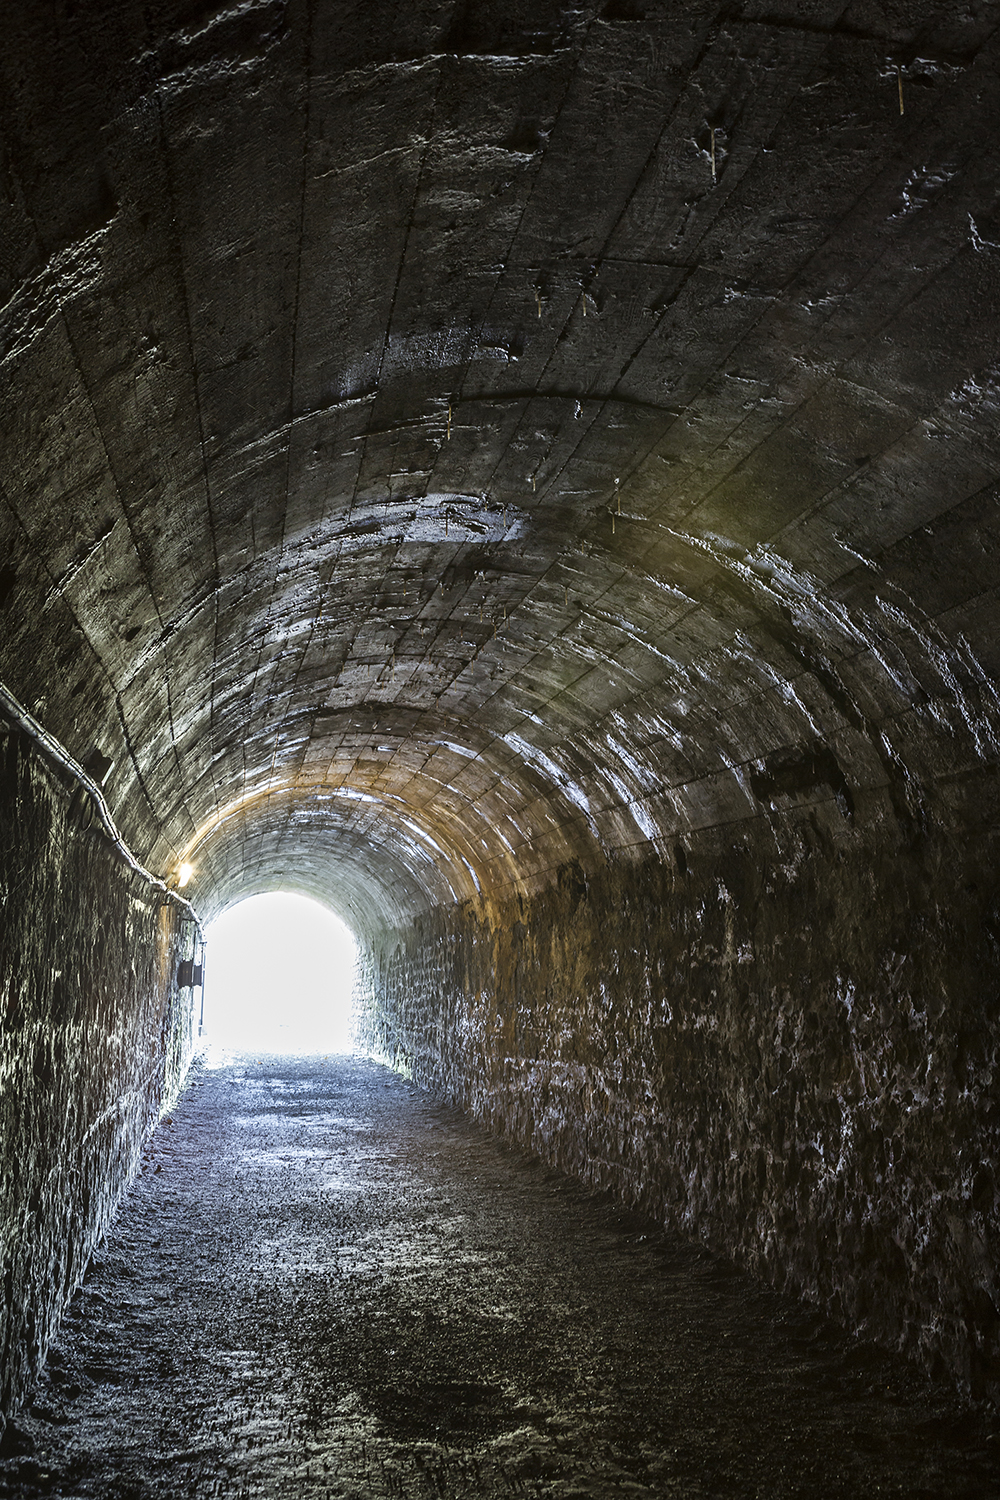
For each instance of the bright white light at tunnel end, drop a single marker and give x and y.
(279, 980)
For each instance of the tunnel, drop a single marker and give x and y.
(525, 476)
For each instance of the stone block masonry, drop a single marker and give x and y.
(95, 1038)
(784, 1044)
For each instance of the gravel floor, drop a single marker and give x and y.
(326, 1283)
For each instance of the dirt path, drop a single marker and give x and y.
(325, 1283)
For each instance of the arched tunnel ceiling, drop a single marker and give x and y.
(443, 440)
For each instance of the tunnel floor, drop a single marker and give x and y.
(327, 1283)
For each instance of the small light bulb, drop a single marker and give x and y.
(184, 873)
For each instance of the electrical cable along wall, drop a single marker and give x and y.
(525, 474)
(97, 1036)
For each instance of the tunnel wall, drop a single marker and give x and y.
(96, 1036)
(784, 1043)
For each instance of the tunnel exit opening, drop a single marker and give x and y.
(279, 978)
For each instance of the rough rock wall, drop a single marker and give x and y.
(786, 1045)
(95, 1039)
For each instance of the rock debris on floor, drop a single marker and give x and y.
(326, 1283)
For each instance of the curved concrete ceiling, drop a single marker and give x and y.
(442, 441)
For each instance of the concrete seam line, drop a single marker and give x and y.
(55, 751)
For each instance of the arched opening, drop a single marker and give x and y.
(527, 477)
(279, 978)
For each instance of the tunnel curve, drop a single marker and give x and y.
(526, 475)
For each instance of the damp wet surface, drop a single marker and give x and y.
(327, 1283)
